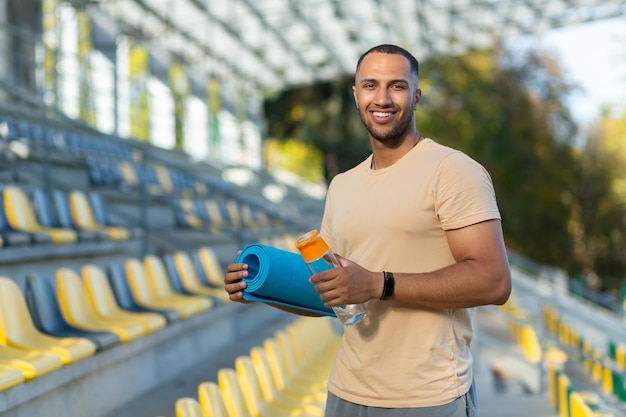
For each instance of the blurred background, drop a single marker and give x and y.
(207, 123)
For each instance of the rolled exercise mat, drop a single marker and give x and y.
(276, 276)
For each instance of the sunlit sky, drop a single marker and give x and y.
(593, 55)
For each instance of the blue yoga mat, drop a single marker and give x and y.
(276, 276)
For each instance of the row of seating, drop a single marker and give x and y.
(110, 160)
(38, 216)
(220, 214)
(604, 369)
(286, 376)
(59, 320)
(70, 141)
(155, 178)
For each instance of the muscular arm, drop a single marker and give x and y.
(480, 275)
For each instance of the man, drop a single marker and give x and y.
(418, 231)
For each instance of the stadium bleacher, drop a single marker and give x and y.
(112, 256)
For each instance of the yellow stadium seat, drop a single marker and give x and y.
(11, 376)
(84, 218)
(103, 300)
(78, 311)
(21, 217)
(295, 370)
(212, 207)
(232, 208)
(286, 396)
(161, 285)
(257, 404)
(211, 400)
(190, 280)
(312, 367)
(290, 381)
(188, 407)
(164, 178)
(146, 296)
(18, 330)
(232, 394)
(211, 266)
(32, 363)
(129, 175)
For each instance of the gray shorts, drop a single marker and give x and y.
(464, 406)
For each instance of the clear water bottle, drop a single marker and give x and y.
(319, 257)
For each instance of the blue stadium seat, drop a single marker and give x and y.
(11, 131)
(124, 296)
(99, 210)
(46, 314)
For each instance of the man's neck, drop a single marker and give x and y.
(385, 156)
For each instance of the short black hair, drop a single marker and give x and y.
(393, 50)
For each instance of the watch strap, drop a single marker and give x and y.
(388, 285)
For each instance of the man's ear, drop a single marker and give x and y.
(356, 101)
(418, 97)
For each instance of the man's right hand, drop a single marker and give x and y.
(235, 273)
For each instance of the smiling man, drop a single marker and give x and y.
(417, 229)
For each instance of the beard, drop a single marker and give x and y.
(388, 134)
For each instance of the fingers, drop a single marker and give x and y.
(234, 286)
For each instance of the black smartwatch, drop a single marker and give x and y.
(388, 286)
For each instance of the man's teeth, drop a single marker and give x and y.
(381, 114)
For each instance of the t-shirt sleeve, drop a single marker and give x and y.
(463, 193)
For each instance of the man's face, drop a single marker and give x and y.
(386, 94)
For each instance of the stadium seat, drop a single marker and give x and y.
(232, 394)
(187, 215)
(188, 407)
(271, 391)
(21, 217)
(47, 317)
(146, 295)
(84, 219)
(253, 395)
(102, 299)
(78, 311)
(164, 178)
(211, 401)
(17, 328)
(11, 237)
(208, 266)
(32, 363)
(124, 296)
(160, 283)
(216, 212)
(100, 213)
(291, 378)
(61, 202)
(11, 376)
(310, 369)
(181, 269)
(232, 210)
(53, 212)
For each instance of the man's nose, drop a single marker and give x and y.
(382, 97)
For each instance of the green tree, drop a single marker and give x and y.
(325, 116)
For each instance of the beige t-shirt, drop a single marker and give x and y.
(394, 219)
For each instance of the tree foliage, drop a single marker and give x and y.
(325, 116)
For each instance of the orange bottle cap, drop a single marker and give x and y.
(311, 246)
